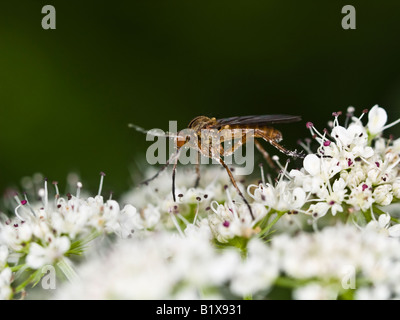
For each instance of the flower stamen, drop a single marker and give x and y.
(78, 189)
(102, 175)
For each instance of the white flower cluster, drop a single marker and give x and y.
(329, 264)
(214, 197)
(353, 168)
(5, 274)
(167, 266)
(207, 245)
(323, 265)
(48, 232)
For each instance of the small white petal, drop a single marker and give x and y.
(320, 209)
(62, 244)
(299, 197)
(377, 118)
(339, 185)
(311, 164)
(367, 152)
(384, 220)
(342, 135)
(394, 231)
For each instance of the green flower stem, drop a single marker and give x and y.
(272, 223)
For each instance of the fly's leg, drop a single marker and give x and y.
(266, 155)
(173, 178)
(236, 186)
(196, 184)
(209, 153)
(146, 182)
(260, 134)
(289, 153)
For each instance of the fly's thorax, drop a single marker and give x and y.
(208, 138)
(201, 122)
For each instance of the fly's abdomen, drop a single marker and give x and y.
(270, 133)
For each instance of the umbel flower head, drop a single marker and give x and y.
(353, 168)
(329, 264)
(325, 230)
(51, 231)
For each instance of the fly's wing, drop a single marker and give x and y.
(255, 121)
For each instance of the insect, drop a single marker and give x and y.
(248, 127)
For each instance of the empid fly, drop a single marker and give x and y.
(207, 136)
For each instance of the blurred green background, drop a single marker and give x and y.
(67, 95)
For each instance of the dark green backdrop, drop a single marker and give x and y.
(67, 95)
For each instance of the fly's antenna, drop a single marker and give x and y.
(154, 132)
